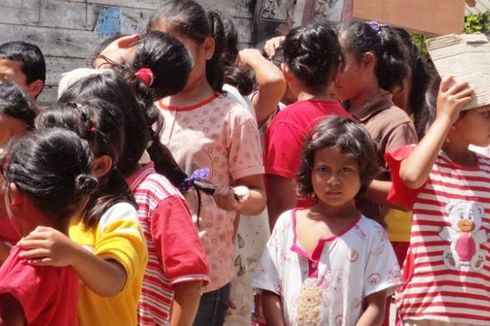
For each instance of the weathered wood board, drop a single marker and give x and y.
(65, 29)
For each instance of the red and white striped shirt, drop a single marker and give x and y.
(175, 252)
(447, 269)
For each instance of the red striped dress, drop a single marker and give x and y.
(175, 253)
(447, 270)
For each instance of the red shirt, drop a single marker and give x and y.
(7, 231)
(48, 295)
(175, 252)
(285, 136)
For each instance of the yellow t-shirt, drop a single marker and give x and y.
(398, 224)
(118, 237)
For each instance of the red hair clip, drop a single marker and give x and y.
(146, 76)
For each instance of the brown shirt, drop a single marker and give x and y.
(390, 127)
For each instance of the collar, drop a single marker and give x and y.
(371, 108)
(139, 175)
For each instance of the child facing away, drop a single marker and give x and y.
(17, 114)
(47, 180)
(206, 129)
(328, 264)
(446, 185)
(106, 246)
(312, 60)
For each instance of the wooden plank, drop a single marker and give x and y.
(53, 41)
(48, 96)
(20, 12)
(64, 14)
(56, 66)
(140, 4)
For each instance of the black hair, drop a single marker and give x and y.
(110, 86)
(53, 167)
(351, 138)
(102, 45)
(189, 18)
(313, 54)
(421, 76)
(169, 61)
(99, 122)
(15, 104)
(390, 52)
(29, 55)
(234, 75)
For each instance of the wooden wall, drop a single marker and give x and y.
(65, 29)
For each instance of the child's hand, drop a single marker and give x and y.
(452, 98)
(272, 44)
(225, 198)
(46, 246)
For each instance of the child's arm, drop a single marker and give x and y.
(11, 312)
(377, 192)
(272, 309)
(375, 309)
(453, 96)
(270, 80)
(186, 302)
(49, 247)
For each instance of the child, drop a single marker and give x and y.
(178, 267)
(205, 129)
(17, 114)
(47, 179)
(23, 63)
(312, 58)
(446, 185)
(328, 264)
(107, 238)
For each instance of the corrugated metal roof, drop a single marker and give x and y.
(480, 7)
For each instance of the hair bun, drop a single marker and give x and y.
(85, 184)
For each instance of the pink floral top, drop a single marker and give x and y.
(221, 135)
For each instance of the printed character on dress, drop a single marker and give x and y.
(465, 234)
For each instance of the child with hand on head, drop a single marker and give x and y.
(106, 246)
(312, 60)
(47, 181)
(17, 114)
(446, 186)
(328, 264)
(203, 128)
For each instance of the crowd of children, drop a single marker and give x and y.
(180, 181)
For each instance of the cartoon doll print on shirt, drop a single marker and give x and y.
(465, 235)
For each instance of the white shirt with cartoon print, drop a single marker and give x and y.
(327, 289)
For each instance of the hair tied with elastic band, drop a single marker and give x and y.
(198, 175)
(145, 75)
(376, 26)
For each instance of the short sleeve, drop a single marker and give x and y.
(267, 274)
(120, 238)
(402, 135)
(399, 193)
(245, 149)
(177, 243)
(33, 287)
(283, 144)
(382, 269)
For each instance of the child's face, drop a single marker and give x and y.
(350, 80)
(9, 128)
(200, 52)
(12, 71)
(473, 127)
(335, 177)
